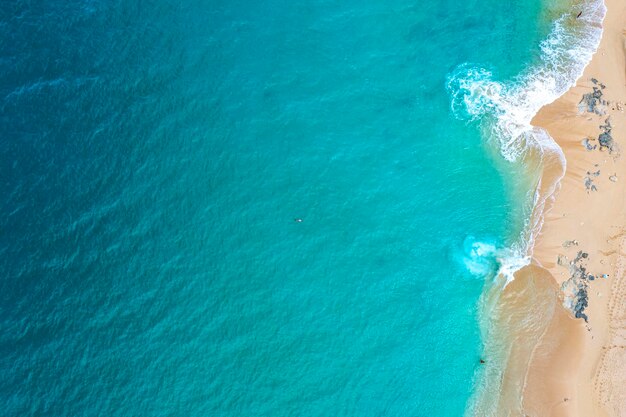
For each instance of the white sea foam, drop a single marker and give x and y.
(505, 108)
(564, 55)
(479, 257)
(484, 258)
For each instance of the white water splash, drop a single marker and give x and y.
(485, 258)
(505, 111)
(512, 105)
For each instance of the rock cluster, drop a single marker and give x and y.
(582, 301)
(591, 101)
(587, 144)
(589, 185)
(594, 103)
(576, 288)
(570, 243)
(605, 139)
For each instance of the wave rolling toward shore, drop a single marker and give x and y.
(527, 320)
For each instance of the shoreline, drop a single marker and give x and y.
(578, 365)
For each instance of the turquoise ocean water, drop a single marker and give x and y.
(154, 157)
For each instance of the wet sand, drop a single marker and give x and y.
(578, 367)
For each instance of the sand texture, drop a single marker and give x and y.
(578, 367)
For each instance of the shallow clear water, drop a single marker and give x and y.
(154, 157)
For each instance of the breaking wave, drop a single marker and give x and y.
(483, 258)
(512, 105)
(505, 109)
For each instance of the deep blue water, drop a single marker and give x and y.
(153, 158)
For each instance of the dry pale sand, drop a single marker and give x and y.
(578, 368)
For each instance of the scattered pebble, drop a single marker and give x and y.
(586, 143)
(589, 185)
(570, 243)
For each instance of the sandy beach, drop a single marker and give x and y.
(578, 368)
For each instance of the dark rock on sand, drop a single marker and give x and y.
(577, 285)
(589, 185)
(582, 302)
(580, 255)
(606, 139)
(591, 101)
(588, 145)
(570, 243)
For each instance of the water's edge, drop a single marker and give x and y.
(505, 112)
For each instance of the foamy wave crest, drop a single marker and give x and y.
(485, 259)
(512, 105)
(505, 109)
